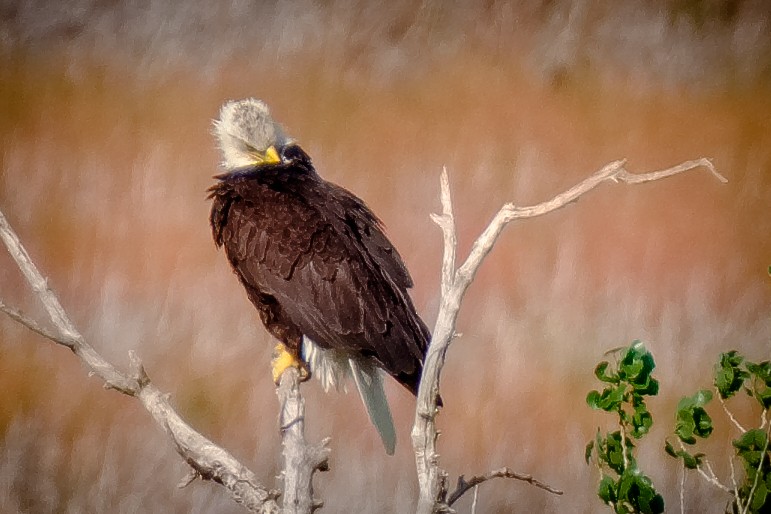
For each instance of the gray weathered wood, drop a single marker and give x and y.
(432, 479)
(301, 460)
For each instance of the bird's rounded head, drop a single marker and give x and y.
(247, 134)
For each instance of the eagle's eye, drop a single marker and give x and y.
(291, 153)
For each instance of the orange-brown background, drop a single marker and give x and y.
(105, 154)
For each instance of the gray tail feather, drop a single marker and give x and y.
(370, 384)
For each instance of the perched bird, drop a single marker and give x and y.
(326, 281)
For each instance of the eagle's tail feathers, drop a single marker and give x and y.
(370, 384)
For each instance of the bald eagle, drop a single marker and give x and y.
(315, 262)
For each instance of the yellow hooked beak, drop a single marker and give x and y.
(255, 156)
(271, 156)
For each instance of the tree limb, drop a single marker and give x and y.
(301, 460)
(432, 480)
(464, 485)
(208, 460)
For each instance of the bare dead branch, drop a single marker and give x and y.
(301, 460)
(447, 223)
(31, 324)
(36, 281)
(464, 485)
(208, 460)
(455, 282)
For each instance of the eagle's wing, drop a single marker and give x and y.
(323, 256)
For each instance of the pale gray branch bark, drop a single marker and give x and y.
(432, 479)
(208, 460)
(301, 460)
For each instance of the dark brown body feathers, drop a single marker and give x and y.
(314, 261)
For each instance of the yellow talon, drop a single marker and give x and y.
(283, 359)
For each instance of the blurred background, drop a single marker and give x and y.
(106, 153)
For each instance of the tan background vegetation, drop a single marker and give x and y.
(106, 152)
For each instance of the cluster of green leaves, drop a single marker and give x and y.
(628, 381)
(732, 374)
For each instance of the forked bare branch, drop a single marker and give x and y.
(455, 281)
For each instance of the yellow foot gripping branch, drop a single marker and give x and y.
(283, 359)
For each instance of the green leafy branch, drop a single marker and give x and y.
(732, 374)
(623, 486)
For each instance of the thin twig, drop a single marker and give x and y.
(709, 475)
(623, 444)
(733, 482)
(464, 485)
(682, 490)
(729, 413)
(33, 325)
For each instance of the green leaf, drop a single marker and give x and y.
(669, 448)
(636, 367)
(692, 461)
(588, 451)
(691, 418)
(611, 398)
(593, 399)
(761, 371)
(689, 461)
(637, 490)
(613, 455)
(641, 421)
(703, 422)
(607, 490)
(761, 386)
(600, 373)
(764, 397)
(759, 497)
(650, 388)
(729, 376)
(749, 447)
(751, 440)
(702, 397)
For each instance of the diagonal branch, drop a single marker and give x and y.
(464, 485)
(208, 460)
(455, 282)
(612, 172)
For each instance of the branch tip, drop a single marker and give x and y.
(188, 479)
(138, 372)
